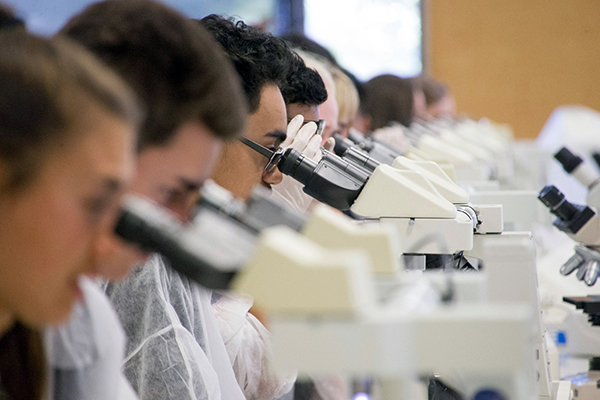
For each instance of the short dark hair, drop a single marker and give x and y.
(303, 85)
(173, 64)
(259, 58)
(388, 99)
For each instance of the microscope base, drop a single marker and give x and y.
(432, 236)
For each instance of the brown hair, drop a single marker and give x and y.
(434, 91)
(22, 364)
(388, 99)
(171, 62)
(44, 86)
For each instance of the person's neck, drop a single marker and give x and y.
(6, 321)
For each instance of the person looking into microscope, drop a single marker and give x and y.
(388, 99)
(194, 103)
(67, 146)
(303, 92)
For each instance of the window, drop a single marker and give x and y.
(368, 37)
(47, 17)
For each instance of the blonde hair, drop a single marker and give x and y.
(345, 94)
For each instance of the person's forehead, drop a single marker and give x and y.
(184, 158)
(270, 115)
(310, 113)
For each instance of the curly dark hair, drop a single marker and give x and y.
(259, 58)
(172, 63)
(303, 85)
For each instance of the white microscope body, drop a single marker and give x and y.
(324, 318)
(508, 258)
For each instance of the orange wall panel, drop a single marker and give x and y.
(514, 61)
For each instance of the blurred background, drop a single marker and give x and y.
(509, 60)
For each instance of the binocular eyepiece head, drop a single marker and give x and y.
(570, 217)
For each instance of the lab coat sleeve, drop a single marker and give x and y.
(249, 348)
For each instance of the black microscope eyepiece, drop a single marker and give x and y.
(570, 217)
(297, 165)
(333, 180)
(568, 160)
(555, 200)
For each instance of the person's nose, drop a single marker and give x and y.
(273, 177)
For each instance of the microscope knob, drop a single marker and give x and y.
(591, 274)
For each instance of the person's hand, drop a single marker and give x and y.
(303, 139)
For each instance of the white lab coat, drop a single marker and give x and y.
(85, 354)
(174, 347)
(249, 347)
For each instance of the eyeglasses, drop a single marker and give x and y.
(320, 125)
(273, 156)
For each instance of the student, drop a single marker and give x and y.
(329, 109)
(439, 99)
(303, 92)
(388, 99)
(347, 98)
(194, 103)
(67, 143)
(175, 349)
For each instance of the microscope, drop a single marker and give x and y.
(224, 231)
(431, 224)
(582, 224)
(585, 386)
(409, 334)
(587, 175)
(364, 151)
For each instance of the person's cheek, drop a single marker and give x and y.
(113, 258)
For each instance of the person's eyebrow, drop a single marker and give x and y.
(280, 136)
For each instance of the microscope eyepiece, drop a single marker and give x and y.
(570, 217)
(555, 200)
(209, 251)
(342, 144)
(333, 180)
(296, 165)
(568, 160)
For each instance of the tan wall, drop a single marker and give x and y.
(515, 60)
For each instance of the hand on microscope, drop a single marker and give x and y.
(300, 137)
